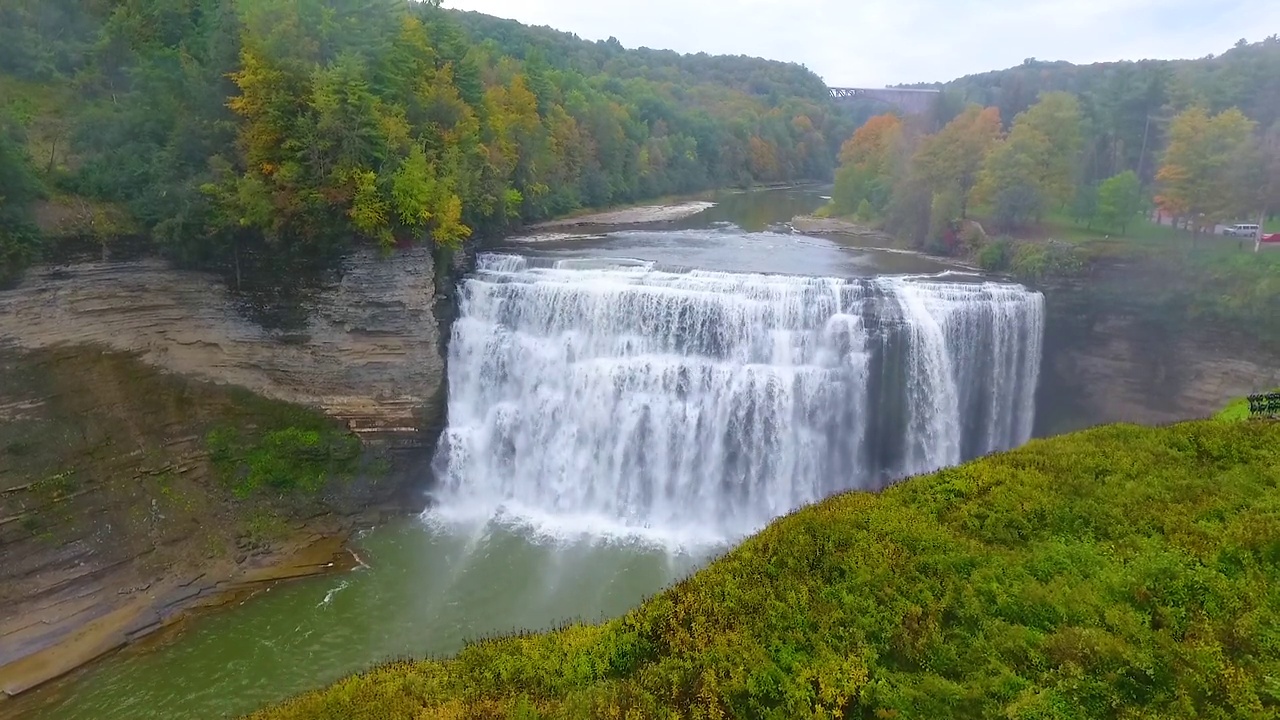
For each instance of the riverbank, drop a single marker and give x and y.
(632, 215)
(1040, 578)
(131, 496)
(162, 448)
(850, 233)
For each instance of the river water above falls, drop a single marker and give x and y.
(623, 405)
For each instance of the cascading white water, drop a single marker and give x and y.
(610, 397)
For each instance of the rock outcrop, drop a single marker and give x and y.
(1109, 360)
(369, 352)
(114, 520)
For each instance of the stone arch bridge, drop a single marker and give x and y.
(910, 101)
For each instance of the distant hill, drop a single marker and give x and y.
(1247, 76)
(1128, 104)
(563, 50)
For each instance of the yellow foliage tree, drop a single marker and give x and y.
(952, 160)
(1196, 176)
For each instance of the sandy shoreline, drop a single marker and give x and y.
(811, 224)
(867, 238)
(630, 216)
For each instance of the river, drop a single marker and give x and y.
(625, 404)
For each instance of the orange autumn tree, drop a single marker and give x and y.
(951, 161)
(867, 165)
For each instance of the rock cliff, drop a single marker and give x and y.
(114, 519)
(1108, 359)
(369, 350)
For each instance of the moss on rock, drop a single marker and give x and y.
(281, 447)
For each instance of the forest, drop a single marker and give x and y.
(1128, 105)
(1197, 140)
(295, 128)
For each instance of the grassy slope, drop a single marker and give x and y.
(1237, 409)
(1121, 572)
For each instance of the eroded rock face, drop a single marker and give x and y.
(113, 520)
(1109, 361)
(370, 351)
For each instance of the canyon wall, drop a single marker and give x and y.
(367, 350)
(114, 517)
(1112, 359)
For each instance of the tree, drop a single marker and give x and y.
(19, 188)
(867, 165)
(1119, 200)
(1057, 118)
(296, 127)
(1199, 178)
(951, 160)
(1085, 207)
(1012, 180)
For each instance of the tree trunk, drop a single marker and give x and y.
(53, 153)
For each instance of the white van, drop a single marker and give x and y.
(1241, 231)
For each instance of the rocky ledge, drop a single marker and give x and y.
(369, 350)
(119, 512)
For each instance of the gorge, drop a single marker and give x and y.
(623, 404)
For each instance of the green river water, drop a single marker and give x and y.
(425, 591)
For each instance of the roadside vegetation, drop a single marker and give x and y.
(1119, 572)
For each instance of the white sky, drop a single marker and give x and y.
(871, 43)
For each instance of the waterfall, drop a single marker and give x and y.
(613, 397)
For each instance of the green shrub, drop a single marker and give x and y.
(1122, 572)
(865, 211)
(996, 255)
(285, 459)
(1035, 261)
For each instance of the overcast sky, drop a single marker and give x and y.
(872, 43)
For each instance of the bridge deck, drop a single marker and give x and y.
(913, 101)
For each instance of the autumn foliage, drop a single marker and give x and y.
(1202, 162)
(295, 128)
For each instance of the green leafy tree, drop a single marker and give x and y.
(1056, 118)
(1084, 209)
(1013, 183)
(1119, 200)
(19, 188)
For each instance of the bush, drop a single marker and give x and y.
(20, 246)
(1122, 572)
(285, 459)
(865, 213)
(996, 255)
(1036, 261)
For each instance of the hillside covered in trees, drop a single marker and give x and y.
(1053, 170)
(296, 127)
(1198, 140)
(1127, 106)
